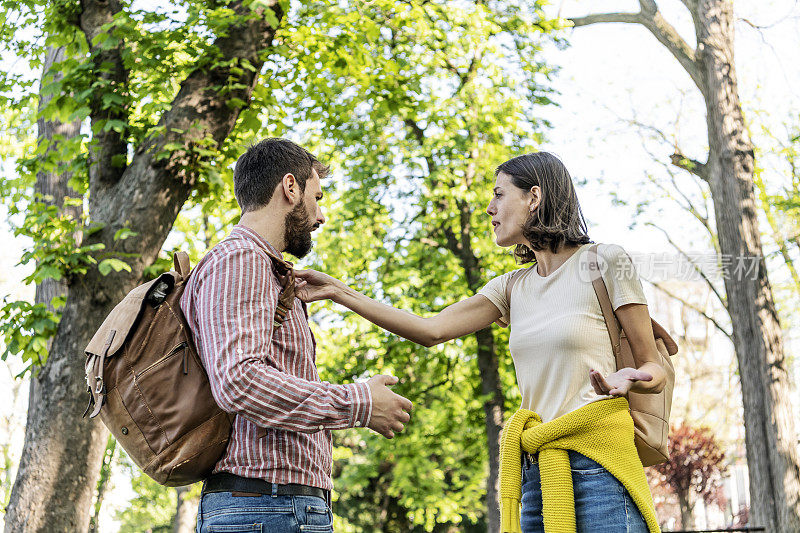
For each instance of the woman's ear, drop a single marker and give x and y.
(536, 197)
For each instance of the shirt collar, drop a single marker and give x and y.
(249, 233)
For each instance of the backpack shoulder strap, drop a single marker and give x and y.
(600, 289)
(284, 270)
(182, 264)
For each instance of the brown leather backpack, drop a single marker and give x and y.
(148, 384)
(650, 412)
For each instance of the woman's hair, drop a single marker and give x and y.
(558, 219)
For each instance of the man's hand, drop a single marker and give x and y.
(389, 410)
(619, 383)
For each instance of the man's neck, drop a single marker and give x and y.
(269, 226)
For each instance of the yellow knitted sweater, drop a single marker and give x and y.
(602, 431)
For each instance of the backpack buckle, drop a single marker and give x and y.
(91, 402)
(100, 386)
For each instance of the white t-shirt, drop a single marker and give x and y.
(557, 329)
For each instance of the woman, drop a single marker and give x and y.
(562, 355)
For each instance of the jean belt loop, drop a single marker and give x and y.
(274, 490)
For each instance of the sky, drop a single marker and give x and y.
(610, 75)
(615, 73)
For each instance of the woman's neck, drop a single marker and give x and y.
(547, 262)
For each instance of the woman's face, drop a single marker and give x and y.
(509, 209)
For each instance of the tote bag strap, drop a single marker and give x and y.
(612, 324)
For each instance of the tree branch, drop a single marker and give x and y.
(696, 268)
(699, 167)
(650, 17)
(416, 130)
(692, 307)
(597, 18)
(201, 115)
(678, 159)
(419, 136)
(690, 165)
(687, 206)
(702, 217)
(109, 148)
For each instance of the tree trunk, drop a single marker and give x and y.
(488, 364)
(770, 436)
(61, 457)
(687, 520)
(459, 244)
(185, 519)
(493, 417)
(102, 483)
(60, 460)
(54, 186)
(47, 470)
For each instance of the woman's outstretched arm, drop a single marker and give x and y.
(456, 320)
(649, 376)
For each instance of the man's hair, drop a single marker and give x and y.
(262, 167)
(558, 220)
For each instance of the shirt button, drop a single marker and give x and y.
(358, 423)
(240, 351)
(321, 427)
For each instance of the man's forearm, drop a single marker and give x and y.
(273, 399)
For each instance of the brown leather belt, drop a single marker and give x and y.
(227, 482)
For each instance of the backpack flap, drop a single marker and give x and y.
(111, 335)
(660, 333)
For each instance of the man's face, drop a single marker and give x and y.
(305, 217)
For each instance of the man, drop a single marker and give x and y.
(276, 471)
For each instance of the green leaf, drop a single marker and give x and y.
(235, 103)
(124, 233)
(79, 114)
(107, 265)
(119, 160)
(115, 124)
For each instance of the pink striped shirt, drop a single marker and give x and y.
(266, 376)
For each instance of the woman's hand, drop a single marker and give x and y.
(619, 383)
(312, 286)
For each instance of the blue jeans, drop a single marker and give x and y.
(602, 505)
(223, 512)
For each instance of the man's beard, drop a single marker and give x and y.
(297, 231)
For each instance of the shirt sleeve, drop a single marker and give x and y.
(620, 276)
(235, 300)
(495, 291)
